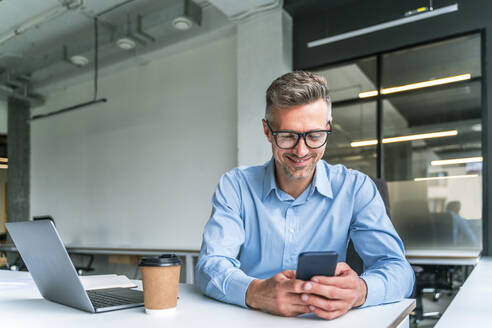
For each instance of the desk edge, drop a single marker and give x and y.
(404, 314)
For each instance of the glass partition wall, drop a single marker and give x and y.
(354, 119)
(428, 99)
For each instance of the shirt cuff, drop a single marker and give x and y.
(375, 290)
(237, 286)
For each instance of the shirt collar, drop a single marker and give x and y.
(320, 180)
(269, 179)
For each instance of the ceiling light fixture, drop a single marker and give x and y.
(126, 43)
(368, 94)
(417, 85)
(4, 166)
(446, 178)
(382, 26)
(477, 127)
(182, 23)
(79, 60)
(421, 136)
(412, 137)
(426, 84)
(4, 160)
(364, 143)
(453, 161)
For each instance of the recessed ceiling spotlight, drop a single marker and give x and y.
(126, 43)
(182, 23)
(477, 127)
(79, 60)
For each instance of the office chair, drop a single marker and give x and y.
(355, 262)
(413, 221)
(442, 224)
(353, 259)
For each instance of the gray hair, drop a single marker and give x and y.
(294, 89)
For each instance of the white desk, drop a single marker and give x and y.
(443, 256)
(472, 306)
(23, 306)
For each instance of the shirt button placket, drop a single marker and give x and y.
(289, 261)
(286, 238)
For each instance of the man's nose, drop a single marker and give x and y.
(301, 149)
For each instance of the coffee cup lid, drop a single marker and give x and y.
(160, 261)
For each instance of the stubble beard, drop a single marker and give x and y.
(310, 169)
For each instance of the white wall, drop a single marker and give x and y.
(264, 50)
(139, 170)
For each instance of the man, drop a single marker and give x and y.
(264, 216)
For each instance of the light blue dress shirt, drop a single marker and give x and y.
(256, 231)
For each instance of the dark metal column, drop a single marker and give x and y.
(19, 154)
(486, 144)
(380, 120)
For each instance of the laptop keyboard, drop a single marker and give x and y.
(103, 298)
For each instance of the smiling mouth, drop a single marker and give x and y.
(299, 161)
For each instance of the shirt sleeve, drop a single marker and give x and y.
(460, 225)
(388, 275)
(217, 273)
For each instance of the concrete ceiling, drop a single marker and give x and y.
(299, 8)
(37, 59)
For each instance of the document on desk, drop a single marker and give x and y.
(106, 281)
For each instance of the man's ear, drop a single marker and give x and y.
(266, 130)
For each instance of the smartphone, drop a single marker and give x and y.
(312, 264)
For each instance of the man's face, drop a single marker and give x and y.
(299, 162)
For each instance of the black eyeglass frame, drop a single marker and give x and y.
(299, 135)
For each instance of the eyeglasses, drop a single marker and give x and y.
(289, 139)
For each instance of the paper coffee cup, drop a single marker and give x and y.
(160, 276)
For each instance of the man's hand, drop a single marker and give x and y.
(280, 295)
(331, 297)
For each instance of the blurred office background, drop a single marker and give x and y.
(176, 99)
(431, 155)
